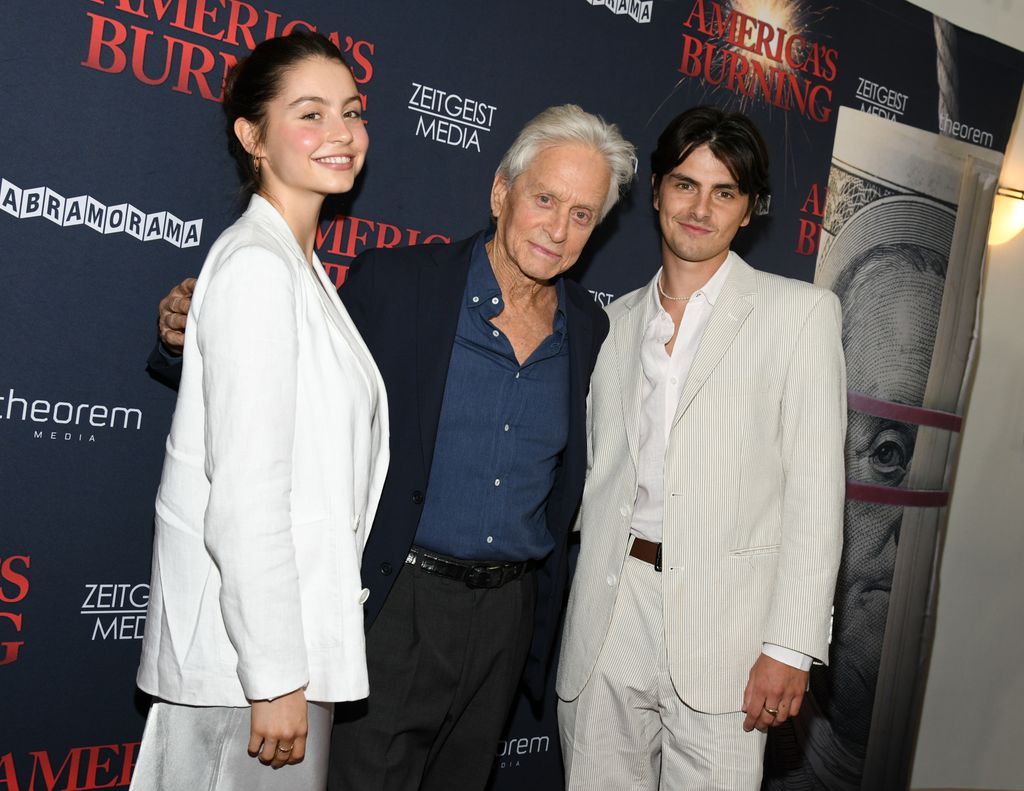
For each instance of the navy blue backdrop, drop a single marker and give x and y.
(116, 179)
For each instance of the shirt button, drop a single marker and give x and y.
(364, 594)
(673, 380)
(495, 333)
(476, 299)
(506, 427)
(495, 301)
(385, 569)
(417, 497)
(611, 579)
(624, 510)
(497, 481)
(490, 539)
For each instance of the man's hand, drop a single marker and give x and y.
(173, 312)
(772, 685)
(279, 727)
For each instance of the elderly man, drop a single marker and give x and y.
(712, 516)
(486, 352)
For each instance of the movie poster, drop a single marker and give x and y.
(115, 179)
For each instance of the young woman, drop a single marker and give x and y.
(274, 463)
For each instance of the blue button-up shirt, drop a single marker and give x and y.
(502, 429)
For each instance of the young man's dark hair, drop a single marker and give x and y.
(732, 138)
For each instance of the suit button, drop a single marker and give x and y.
(385, 569)
(417, 497)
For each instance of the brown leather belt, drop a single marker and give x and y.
(647, 551)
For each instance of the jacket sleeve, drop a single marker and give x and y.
(164, 367)
(247, 333)
(813, 435)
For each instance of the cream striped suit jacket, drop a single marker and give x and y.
(754, 488)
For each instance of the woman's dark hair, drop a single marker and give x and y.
(255, 81)
(732, 138)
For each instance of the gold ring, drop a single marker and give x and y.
(773, 712)
(281, 749)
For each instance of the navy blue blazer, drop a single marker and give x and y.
(405, 302)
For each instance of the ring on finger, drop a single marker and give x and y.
(281, 749)
(773, 712)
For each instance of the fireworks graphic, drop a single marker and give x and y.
(782, 15)
(760, 54)
(788, 23)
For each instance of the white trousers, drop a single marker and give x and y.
(629, 730)
(204, 748)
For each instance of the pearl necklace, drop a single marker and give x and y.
(673, 299)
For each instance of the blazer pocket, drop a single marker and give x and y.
(765, 549)
(741, 386)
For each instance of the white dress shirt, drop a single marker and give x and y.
(664, 377)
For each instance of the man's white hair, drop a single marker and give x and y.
(570, 123)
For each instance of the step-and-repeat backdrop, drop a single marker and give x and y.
(115, 179)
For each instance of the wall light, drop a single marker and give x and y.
(1007, 215)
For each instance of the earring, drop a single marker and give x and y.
(256, 163)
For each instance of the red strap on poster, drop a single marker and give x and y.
(905, 414)
(887, 495)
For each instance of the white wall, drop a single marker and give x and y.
(970, 734)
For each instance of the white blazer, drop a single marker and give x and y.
(274, 466)
(754, 488)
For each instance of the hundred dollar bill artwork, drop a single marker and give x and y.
(902, 247)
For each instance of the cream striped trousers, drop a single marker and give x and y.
(629, 731)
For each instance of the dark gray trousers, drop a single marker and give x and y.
(444, 662)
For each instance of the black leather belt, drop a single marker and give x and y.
(473, 573)
(646, 551)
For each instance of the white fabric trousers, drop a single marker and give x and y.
(203, 748)
(629, 731)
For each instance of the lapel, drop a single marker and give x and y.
(335, 309)
(628, 330)
(271, 221)
(343, 321)
(581, 331)
(731, 310)
(441, 283)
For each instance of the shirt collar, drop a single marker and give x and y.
(711, 290)
(482, 286)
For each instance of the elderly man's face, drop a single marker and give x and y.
(547, 215)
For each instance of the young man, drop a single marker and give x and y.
(712, 514)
